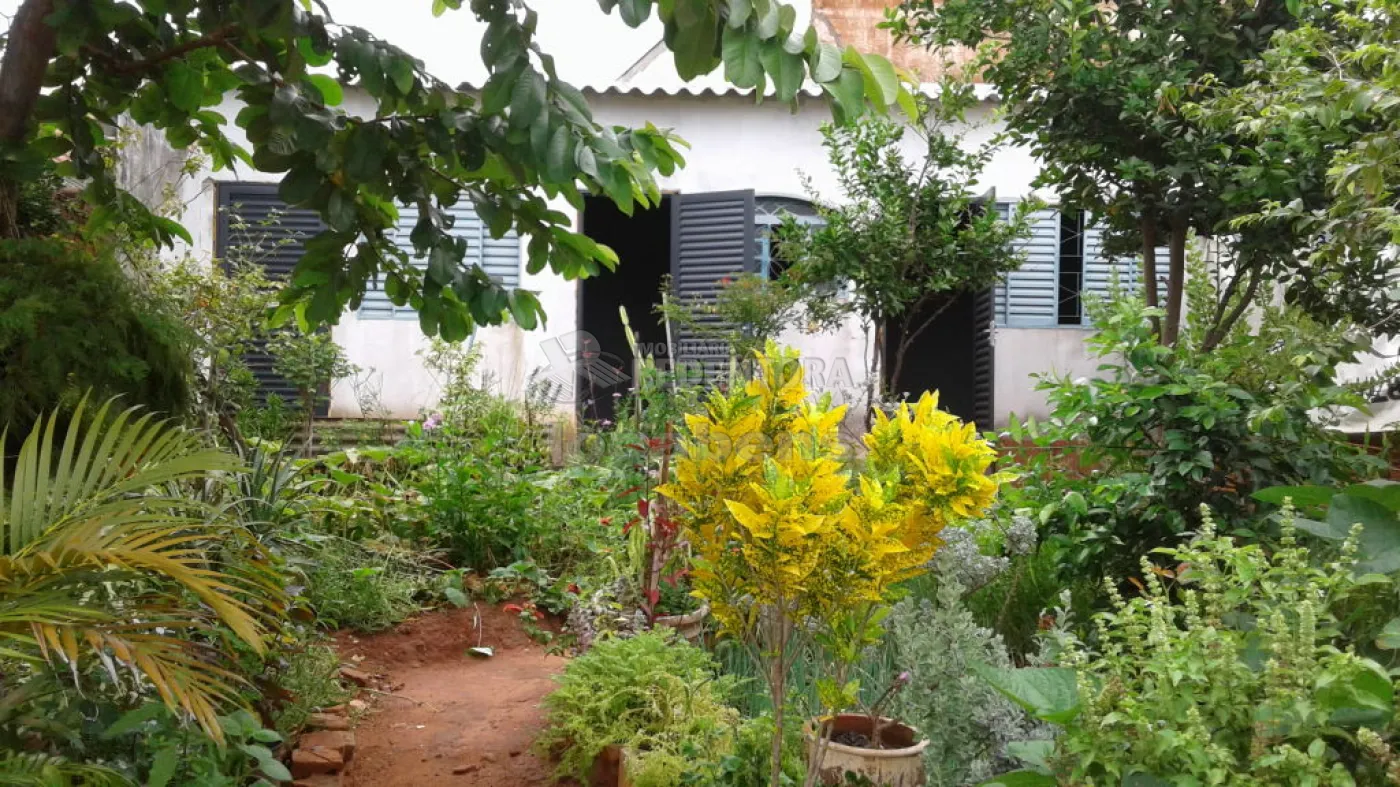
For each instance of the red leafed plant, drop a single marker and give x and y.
(661, 533)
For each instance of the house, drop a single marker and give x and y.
(745, 166)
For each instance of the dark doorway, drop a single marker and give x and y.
(952, 356)
(643, 245)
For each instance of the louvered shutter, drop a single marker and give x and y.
(254, 225)
(1027, 298)
(712, 239)
(983, 361)
(499, 257)
(1099, 268)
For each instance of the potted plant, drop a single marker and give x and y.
(869, 745)
(784, 541)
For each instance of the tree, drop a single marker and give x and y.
(526, 137)
(1333, 84)
(1097, 93)
(908, 237)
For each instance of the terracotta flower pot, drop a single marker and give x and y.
(899, 764)
(690, 625)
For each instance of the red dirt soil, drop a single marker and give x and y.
(454, 719)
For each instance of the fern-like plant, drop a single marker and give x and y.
(102, 558)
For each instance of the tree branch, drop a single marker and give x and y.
(28, 48)
(1221, 328)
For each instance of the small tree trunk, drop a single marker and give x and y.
(1149, 268)
(777, 690)
(28, 49)
(1176, 280)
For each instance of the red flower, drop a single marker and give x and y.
(516, 608)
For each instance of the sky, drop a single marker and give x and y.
(589, 46)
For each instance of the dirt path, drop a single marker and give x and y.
(456, 719)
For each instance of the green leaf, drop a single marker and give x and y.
(1303, 496)
(300, 184)
(848, 91)
(527, 99)
(456, 597)
(1387, 493)
(826, 62)
(524, 307)
(739, 11)
(274, 770)
(132, 719)
(1035, 753)
(785, 69)
(881, 80)
(1389, 637)
(693, 45)
(184, 85)
(742, 66)
(1048, 693)
(163, 766)
(401, 71)
(1021, 779)
(634, 12)
(331, 92)
(1380, 532)
(559, 161)
(340, 211)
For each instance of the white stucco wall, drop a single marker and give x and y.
(734, 144)
(1023, 353)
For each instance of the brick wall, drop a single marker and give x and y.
(856, 23)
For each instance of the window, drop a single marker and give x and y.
(769, 212)
(499, 257)
(1064, 263)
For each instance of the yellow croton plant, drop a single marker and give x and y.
(774, 519)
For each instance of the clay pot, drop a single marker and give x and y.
(899, 764)
(690, 625)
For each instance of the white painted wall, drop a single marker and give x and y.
(1023, 353)
(734, 144)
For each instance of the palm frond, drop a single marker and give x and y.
(103, 508)
(41, 770)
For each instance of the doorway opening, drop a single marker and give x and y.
(643, 245)
(952, 356)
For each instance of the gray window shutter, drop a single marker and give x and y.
(499, 257)
(712, 239)
(1028, 296)
(1099, 268)
(254, 225)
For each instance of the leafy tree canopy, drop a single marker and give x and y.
(1334, 84)
(71, 68)
(1101, 93)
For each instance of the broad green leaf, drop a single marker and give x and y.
(300, 184)
(1024, 778)
(742, 66)
(826, 62)
(785, 69)
(524, 307)
(1302, 496)
(184, 85)
(634, 12)
(881, 80)
(163, 766)
(1380, 532)
(1387, 493)
(1048, 693)
(527, 99)
(739, 11)
(274, 770)
(693, 45)
(1390, 636)
(331, 92)
(848, 91)
(1035, 753)
(133, 719)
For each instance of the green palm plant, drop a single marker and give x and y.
(103, 559)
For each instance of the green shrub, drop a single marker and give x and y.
(1164, 430)
(71, 321)
(355, 585)
(307, 676)
(655, 696)
(1229, 669)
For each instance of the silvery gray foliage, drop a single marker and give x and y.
(960, 559)
(1021, 536)
(967, 723)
